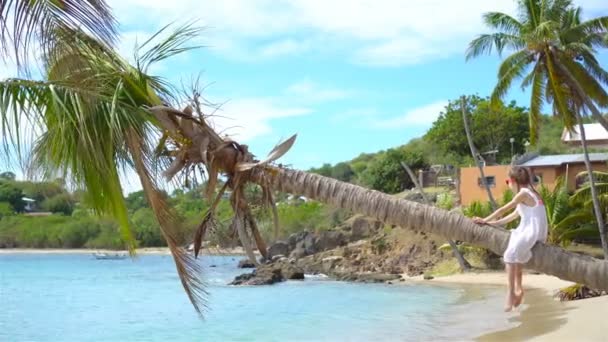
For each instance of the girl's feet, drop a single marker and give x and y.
(518, 298)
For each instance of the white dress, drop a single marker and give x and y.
(532, 228)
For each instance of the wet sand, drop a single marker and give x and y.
(541, 317)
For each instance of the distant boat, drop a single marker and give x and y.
(108, 256)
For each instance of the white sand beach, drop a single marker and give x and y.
(542, 317)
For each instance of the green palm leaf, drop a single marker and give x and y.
(513, 67)
(42, 22)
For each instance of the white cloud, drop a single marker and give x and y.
(247, 118)
(283, 47)
(357, 114)
(389, 32)
(308, 91)
(422, 117)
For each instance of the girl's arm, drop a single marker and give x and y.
(512, 216)
(500, 212)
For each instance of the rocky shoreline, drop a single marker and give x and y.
(361, 250)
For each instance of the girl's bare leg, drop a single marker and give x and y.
(519, 289)
(511, 271)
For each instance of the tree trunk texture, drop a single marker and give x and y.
(464, 264)
(548, 259)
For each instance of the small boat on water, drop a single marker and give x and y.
(110, 256)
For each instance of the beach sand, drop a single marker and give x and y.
(541, 317)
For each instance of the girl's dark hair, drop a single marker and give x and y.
(522, 175)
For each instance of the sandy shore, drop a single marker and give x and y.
(541, 317)
(139, 251)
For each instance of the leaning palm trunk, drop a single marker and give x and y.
(548, 259)
(203, 146)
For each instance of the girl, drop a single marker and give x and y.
(532, 228)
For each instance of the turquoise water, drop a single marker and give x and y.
(79, 298)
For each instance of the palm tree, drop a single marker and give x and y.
(565, 221)
(554, 52)
(101, 115)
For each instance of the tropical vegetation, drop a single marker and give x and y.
(101, 115)
(553, 51)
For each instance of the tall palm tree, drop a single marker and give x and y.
(553, 51)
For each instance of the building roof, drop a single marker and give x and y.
(560, 159)
(593, 132)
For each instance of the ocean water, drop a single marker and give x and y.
(78, 298)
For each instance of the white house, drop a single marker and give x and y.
(595, 134)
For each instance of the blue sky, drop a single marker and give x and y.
(346, 76)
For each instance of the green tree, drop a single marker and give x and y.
(62, 203)
(10, 176)
(492, 128)
(136, 200)
(553, 51)
(11, 194)
(342, 171)
(324, 170)
(40, 191)
(6, 209)
(147, 230)
(386, 174)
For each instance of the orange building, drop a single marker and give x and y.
(546, 168)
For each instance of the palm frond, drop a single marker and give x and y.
(188, 270)
(590, 85)
(559, 94)
(536, 102)
(175, 43)
(502, 22)
(531, 10)
(513, 67)
(484, 44)
(38, 23)
(594, 68)
(595, 25)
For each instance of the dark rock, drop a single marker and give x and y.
(270, 274)
(330, 239)
(292, 272)
(330, 263)
(246, 263)
(309, 244)
(297, 253)
(278, 248)
(293, 239)
(242, 279)
(212, 265)
(428, 277)
(364, 227)
(368, 277)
